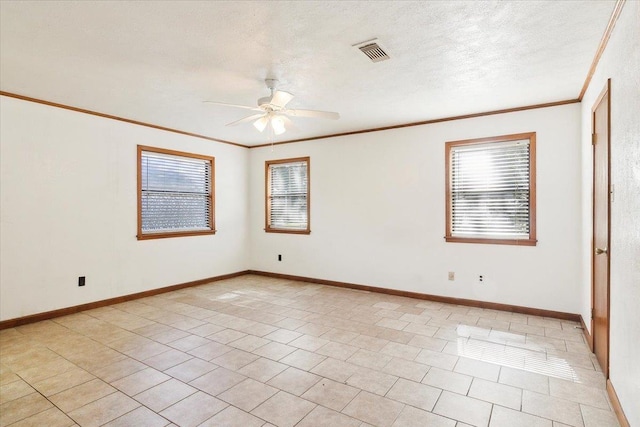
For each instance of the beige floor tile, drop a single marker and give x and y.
(477, 368)
(386, 305)
(505, 417)
(334, 369)
(45, 370)
(308, 342)
(167, 359)
(22, 407)
(217, 381)
(249, 343)
(193, 410)
(595, 417)
(164, 395)
(337, 350)
(258, 329)
(206, 329)
(437, 359)
(141, 416)
(248, 394)
(369, 343)
(544, 322)
(52, 417)
(119, 369)
(412, 417)
(373, 409)
(339, 335)
(392, 324)
(58, 383)
(323, 417)
(235, 359)
(428, 343)
(103, 410)
(500, 394)
(400, 337)
(313, 329)
(294, 381)
(556, 409)
(369, 359)
(284, 409)
(233, 417)
(415, 394)
(401, 351)
(210, 351)
(372, 381)
(262, 369)
(303, 359)
(462, 408)
(274, 350)
(169, 335)
(8, 376)
(190, 370)
(406, 369)
(226, 336)
(525, 380)
(425, 330)
(14, 390)
(291, 324)
(188, 343)
(283, 336)
(140, 381)
(81, 395)
(331, 394)
(447, 380)
(579, 393)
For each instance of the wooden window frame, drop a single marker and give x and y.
(163, 235)
(267, 196)
(531, 241)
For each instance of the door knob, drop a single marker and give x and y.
(601, 251)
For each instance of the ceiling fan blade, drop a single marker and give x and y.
(313, 114)
(224, 104)
(281, 98)
(246, 119)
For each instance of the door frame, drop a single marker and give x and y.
(606, 91)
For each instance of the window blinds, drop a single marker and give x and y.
(288, 196)
(175, 193)
(490, 190)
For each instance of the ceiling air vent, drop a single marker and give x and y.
(373, 50)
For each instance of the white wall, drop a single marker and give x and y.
(378, 214)
(68, 209)
(621, 63)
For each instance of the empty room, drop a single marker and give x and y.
(320, 213)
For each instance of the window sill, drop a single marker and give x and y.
(284, 231)
(513, 242)
(151, 236)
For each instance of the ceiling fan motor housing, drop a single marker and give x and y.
(265, 101)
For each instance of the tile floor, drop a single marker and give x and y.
(256, 351)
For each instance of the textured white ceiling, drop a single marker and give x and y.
(156, 61)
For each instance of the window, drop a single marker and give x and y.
(175, 193)
(491, 190)
(287, 196)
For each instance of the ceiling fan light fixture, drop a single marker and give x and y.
(261, 123)
(278, 125)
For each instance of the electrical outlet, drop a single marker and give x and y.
(481, 278)
(279, 257)
(452, 275)
(81, 281)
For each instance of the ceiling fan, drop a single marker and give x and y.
(273, 111)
